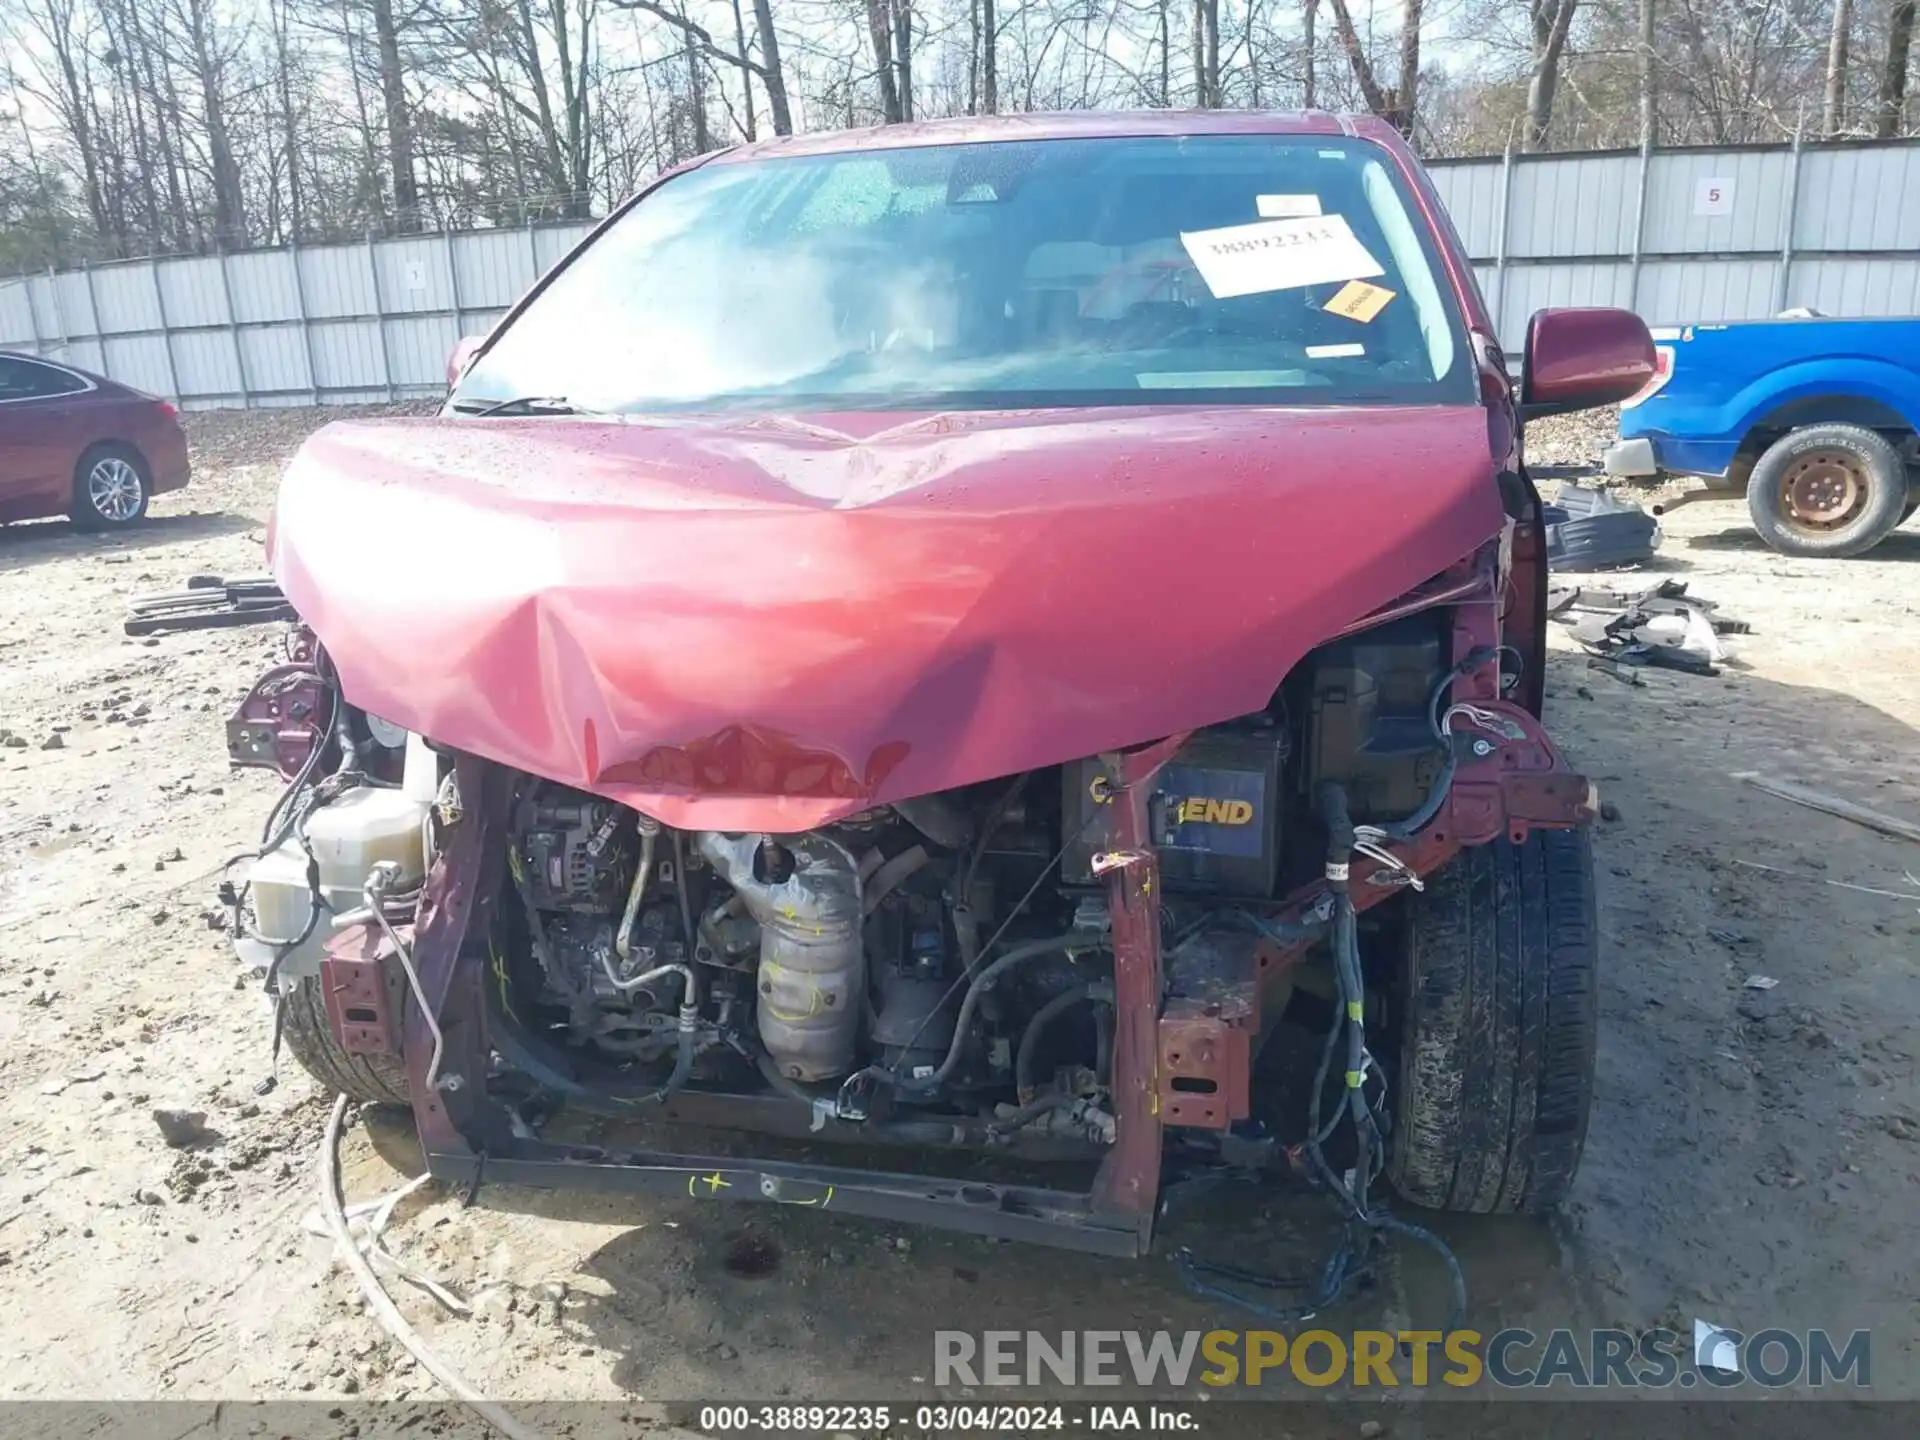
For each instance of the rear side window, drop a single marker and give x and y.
(28, 380)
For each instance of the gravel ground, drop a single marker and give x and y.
(1753, 1157)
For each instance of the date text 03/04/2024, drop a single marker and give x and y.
(941, 1419)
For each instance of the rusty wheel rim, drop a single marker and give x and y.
(1824, 490)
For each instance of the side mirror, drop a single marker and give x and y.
(464, 349)
(1580, 359)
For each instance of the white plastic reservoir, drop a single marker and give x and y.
(347, 839)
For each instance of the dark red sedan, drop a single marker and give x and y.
(80, 445)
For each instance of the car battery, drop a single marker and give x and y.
(1213, 814)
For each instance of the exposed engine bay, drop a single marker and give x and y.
(928, 957)
(946, 959)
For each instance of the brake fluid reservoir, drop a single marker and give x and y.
(360, 829)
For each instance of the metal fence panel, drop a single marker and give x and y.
(207, 365)
(125, 297)
(90, 355)
(419, 348)
(339, 281)
(1859, 199)
(1857, 287)
(1717, 202)
(1471, 192)
(264, 287)
(552, 243)
(1536, 287)
(1582, 206)
(16, 317)
(493, 266)
(413, 275)
(138, 360)
(192, 292)
(276, 360)
(46, 308)
(348, 356)
(1675, 292)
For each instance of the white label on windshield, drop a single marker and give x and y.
(1278, 255)
(1335, 352)
(1286, 207)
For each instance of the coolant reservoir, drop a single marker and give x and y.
(348, 838)
(360, 829)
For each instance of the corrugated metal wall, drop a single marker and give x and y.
(1680, 236)
(329, 324)
(1692, 235)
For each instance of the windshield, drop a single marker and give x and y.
(1266, 269)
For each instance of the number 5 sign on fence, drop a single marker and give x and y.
(1713, 197)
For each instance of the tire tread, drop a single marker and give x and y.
(1498, 1034)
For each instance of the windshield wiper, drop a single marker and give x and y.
(529, 405)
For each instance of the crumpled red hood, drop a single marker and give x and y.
(768, 624)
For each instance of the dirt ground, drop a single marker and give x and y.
(1754, 1157)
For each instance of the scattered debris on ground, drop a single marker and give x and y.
(1658, 625)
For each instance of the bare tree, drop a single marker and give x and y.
(989, 58)
(1834, 100)
(1552, 22)
(880, 30)
(1649, 106)
(767, 67)
(393, 104)
(1309, 12)
(1396, 105)
(1206, 54)
(1890, 111)
(1407, 97)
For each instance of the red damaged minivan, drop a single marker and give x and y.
(1012, 639)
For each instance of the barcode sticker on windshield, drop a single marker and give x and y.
(1360, 301)
(1349, 351)
(1286, 207)
(1278, 255)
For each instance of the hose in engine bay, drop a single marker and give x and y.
(1018, 955)
(1023, 1057)
(1411, 825)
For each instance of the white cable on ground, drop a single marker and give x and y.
(333, 1211)
(367, 1221)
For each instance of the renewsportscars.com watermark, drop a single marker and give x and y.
(1513, 1359)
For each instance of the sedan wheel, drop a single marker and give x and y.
(110, 490)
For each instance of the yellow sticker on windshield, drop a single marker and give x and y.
(1357, 300)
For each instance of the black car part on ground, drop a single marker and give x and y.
(1591, 529)
(210, 602)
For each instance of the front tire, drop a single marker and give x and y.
(369, 1079)
(1497, 1036)
(1827, 491)
(110, 488)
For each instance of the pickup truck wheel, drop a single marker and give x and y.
(368, 1079)
(1827, 490)
(1497, 1036)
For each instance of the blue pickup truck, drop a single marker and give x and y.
(1814, 420)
